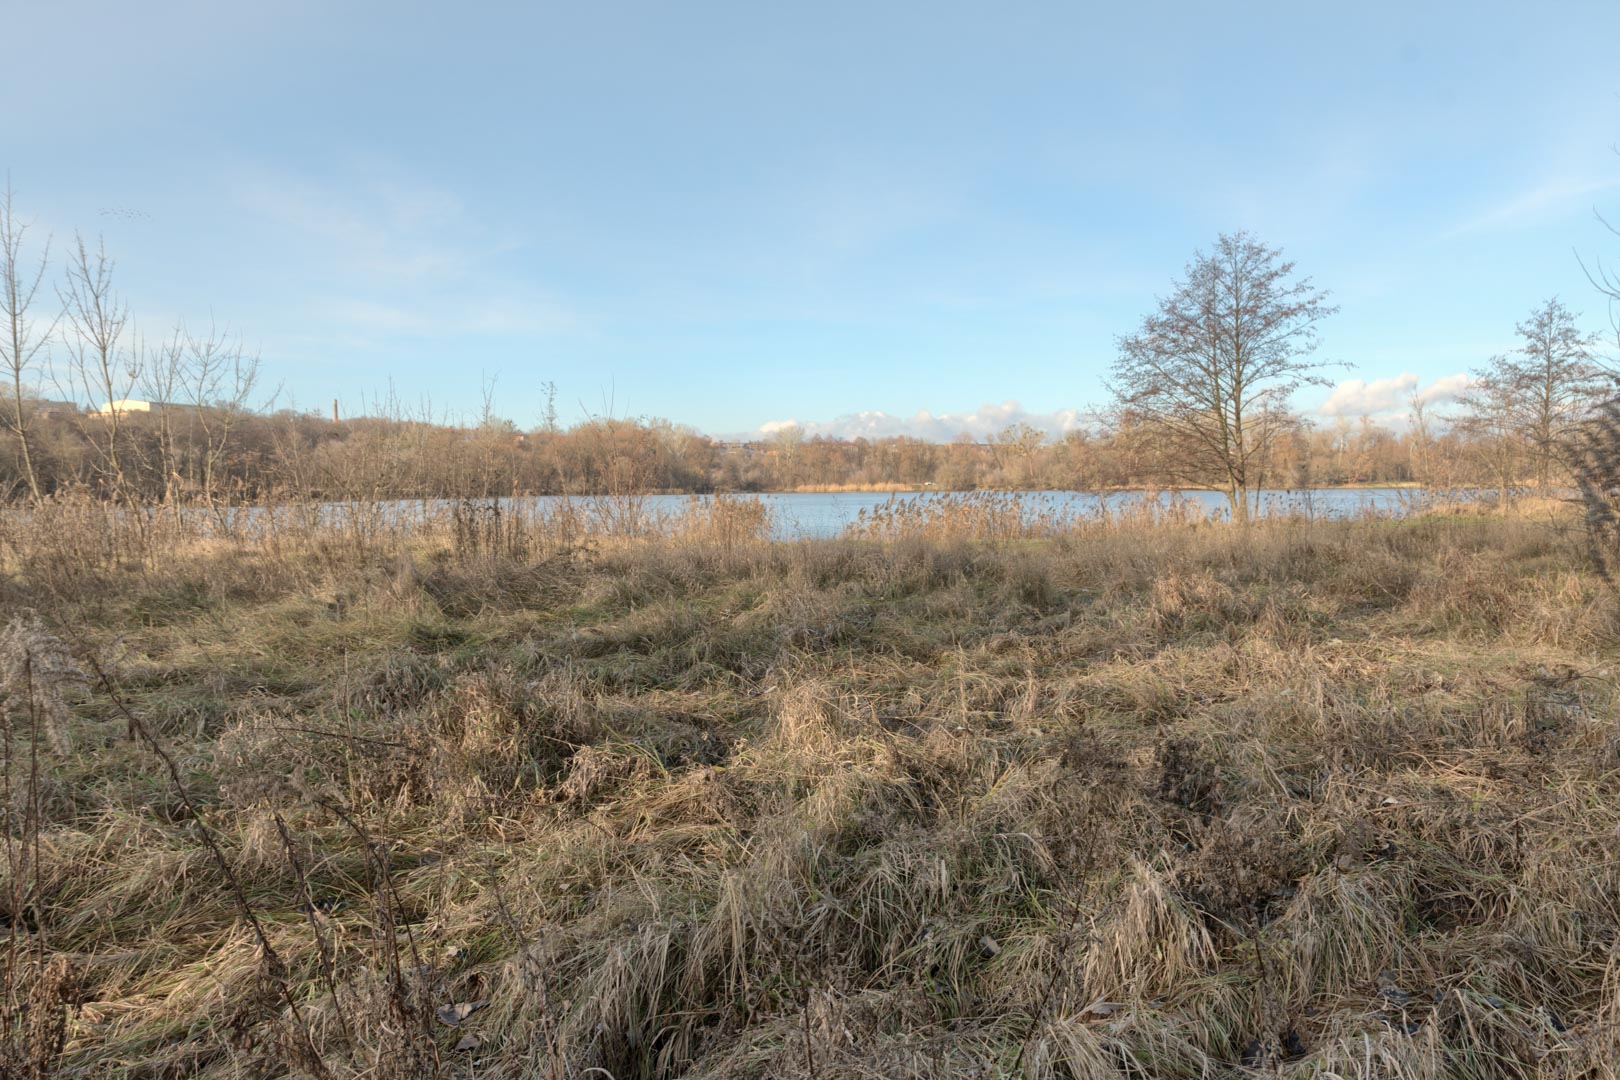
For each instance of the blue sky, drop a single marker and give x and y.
(843, 214)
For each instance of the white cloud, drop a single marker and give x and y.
(1384, 397)
(1387, 399)
(979, 424)
(1358, 397)
(1445, 389)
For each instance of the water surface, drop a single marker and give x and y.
(814, 515)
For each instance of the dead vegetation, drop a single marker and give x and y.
(1141, 799)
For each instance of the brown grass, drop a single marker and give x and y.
(842, 489)
(510, 797)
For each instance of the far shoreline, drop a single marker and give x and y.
(904, 489)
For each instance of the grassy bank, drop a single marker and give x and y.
(1144, 799)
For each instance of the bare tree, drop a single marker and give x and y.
(1605, 278)
(787, 441)
(219, 376)
(1489, 425)
(1538, 394)
(1418, 439)
(1207, 377)
(101, 363)
(22, 338)
(548, 413)
(1021, 441)
(160, 380)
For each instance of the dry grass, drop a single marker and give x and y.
(833, 489)
(1130, 798)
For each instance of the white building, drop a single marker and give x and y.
(133, 405)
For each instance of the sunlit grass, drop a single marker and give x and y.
(1143, 796)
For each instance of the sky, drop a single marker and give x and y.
(862, 218)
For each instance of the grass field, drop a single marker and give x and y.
(1136, 800)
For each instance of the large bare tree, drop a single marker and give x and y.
(1205, 381)
(24, 335)
(1530, 402)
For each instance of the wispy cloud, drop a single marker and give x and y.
(1394, 395)
(396, 256)
(497, 316)
(979, 424)
(857, 207)
(380, 228)
(1532, 204)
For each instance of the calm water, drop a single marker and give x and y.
(815, 515)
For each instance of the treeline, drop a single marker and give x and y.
(186, 452)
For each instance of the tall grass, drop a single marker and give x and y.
(992, 516)
(977, 790)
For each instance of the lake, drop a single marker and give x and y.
(815, 515)
(820, 515)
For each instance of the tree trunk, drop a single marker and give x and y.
(1237, 497)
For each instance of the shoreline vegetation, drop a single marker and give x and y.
(904, 489)
(176, 452)
(510, 796)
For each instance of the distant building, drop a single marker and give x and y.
(54, 408)
(133, 405)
